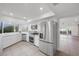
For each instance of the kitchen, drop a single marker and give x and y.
(36, 33)
(39, 29)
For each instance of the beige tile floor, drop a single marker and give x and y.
(22, 49)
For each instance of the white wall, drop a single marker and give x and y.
(23, 28)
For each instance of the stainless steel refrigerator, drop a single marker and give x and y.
(48, 37)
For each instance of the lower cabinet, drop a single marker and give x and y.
(47, 48)
(8, 40)
(1, 50)
(24, 36)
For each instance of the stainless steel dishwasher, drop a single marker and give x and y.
(24, 36)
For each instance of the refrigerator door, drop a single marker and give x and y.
(53, 32)
(49, 31)
(43, 30)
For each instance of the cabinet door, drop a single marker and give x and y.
(47, 48)
(1, 50)
(43, 29)
(43, 47)
(10, 39)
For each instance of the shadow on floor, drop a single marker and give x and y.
(60, 53)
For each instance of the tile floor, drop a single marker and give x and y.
(22, 49)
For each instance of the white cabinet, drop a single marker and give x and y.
(47, 48)
(8, 40)
(1, 45)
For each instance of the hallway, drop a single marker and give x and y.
(69, 45)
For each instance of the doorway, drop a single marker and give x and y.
(69, 38)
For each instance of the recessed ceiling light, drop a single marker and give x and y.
(28, 20)
(76, 19)
(24, 17)
(41, 8)
(11, 14)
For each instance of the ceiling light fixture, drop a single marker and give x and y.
(28, 20)
(76, 19)
(41, 8)
(24, 17)
(11, 14)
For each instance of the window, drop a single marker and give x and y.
(0, 26)
(6, 27)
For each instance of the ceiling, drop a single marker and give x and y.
(23, 10)
(65, 9)
(34, 10)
